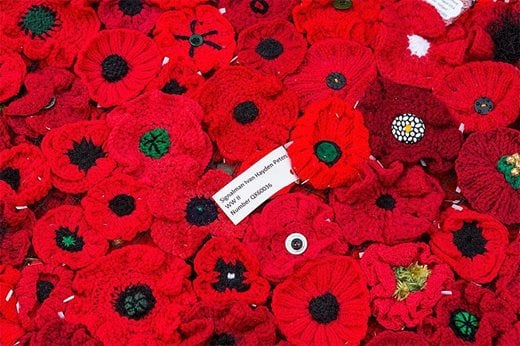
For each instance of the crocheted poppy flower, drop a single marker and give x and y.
(324, 303)
(477, 98)
(227, 271)
(48, 30)
(117, 207)
(60, 332)
(408, 124)
(472, 244)
(178, 77)
(9, 320)
(26, 171)
(290, 230)
(12, 72)
(117, 65)
(132, 294)
(390, 338)
(508, 282)
(247, 112)
(472, 315)
(233, 323)
(146, 144)
(504, 31)
(273, 47)
(42, 294)
(405, 282)
(389, 205)
(139, 15)
(77, 155)
(62, 236)
(330, 144)
(201, 34)
(488, 168)
(333, 68)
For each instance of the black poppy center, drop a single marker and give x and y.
(122, 205)
(269, 48)
(135, 302)
(231, 276)
(43, 290)
(336, 81)
(483, 105)
(131, 7)
(68, 240)
(38, 21)
(245, 112)
(385, 201)
(201, 211)
(259, 6)
(505, 33)
(464, 324)
(173, 88)
(114, 68)
(324, 309)
(223, 339)
(11, 176)
(84, 154)
(196, 40)
(469, 240)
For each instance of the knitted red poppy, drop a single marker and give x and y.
(290, 230)
(390, 206)
(47, 30)
(273, 47)
(25, 170)
(227, 271)
(330, 144)
(232, 323)
(77, 155)
(408, 124)
(472, 244)
(472, 315)
(488, 168)
(178, 77)
(201, 34)
(9, 320)
(60, 332)
(41, 292)
(117, 65)
(405, 282)
(117, 208)
(247, 112)
(244, 13)
(146, 143)
(138, 15)
(481, 95)
(390, 338)
(333, 68)
(132, 294)
(324, 303)
(171, 4)
(12, 72)
(508, 282)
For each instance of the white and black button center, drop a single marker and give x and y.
(408, 128)
(296, 243)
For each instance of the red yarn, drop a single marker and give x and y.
(201, 35)
(483, 185)
(339, 129)
(171, 4)
(139, 16)
(324, 303)
(508, 282)
(117, 65)
(5, 137)
(390, 206)
(178, 77)
(227, 271)
(390, 338)
(61, 333)
(12, 72)
(9, 320)
(333, 68)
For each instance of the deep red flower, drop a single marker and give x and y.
(146, 144)
(333, 68)
(508, 282)
(132, 294)
(481, 95)
(273, 47)
(138, 15)
(48, 30)
(389, 205)
(227, 271)
(408, 124)
(9, 320)
(12, 73)
(486, 178)
(390, 338)
(405, 282)
(247, 112)
(200, 34)
(233, 323)
(77, 155)
(117, 65)
(330, 144)
(5, 137)
(60, 332)
(324, 303)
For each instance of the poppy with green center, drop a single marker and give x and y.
(133, 294)
(138, 15)
(330, 144)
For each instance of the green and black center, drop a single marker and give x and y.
(155, 143)
(469, 240)
(483, 105)
(131, 7)
(68, 240)
(410, 279)
(85, 153)
(135, 302)
(43, 290)
(464, 324)
(324, 309)
(38, 21)
(327, 152)
(231, 276)
(11, 176)
(336, 81)
(342, 4)
(201, 211)
(509, 166)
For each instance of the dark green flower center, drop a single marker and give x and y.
(135, 302)
(38, 21)
(68, 240)
(342, 4)
(11, 176)
(509, 166)
(327, 152)
(324, 309)
(155, 143)
(196, 40)
(464, 324)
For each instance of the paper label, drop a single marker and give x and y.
(254, 186)
(448, 9)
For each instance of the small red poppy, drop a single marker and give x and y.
(508, 282)
(227, 271)
(330, 144)
(390, 338)
(389, 205)
(138, 15)
(12, 73)
(405, 282)
(117, 64)
(324, 303)
(273, 47)
(60, 332)
(9, 319)
(200, 34)
(178, 77)
(77, 155)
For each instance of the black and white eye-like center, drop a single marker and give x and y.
(408, 128)
(296, 243)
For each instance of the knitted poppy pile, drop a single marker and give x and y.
(121, 119)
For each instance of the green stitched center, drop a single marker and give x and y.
(410, 279)
(155, 143)
(509, 166)
(327, 152)
(38, 20)
(464, 324)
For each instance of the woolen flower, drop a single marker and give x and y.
(9, 319)
(138, 15)
(60, 332)
(391, 338)
(508, 282)
(12, 72)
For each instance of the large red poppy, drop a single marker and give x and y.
(130, 14)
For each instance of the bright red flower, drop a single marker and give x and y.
(390, 338)
(508, 282)
(9, 320)
(138, 15)
(60, 332)
(12, 73)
